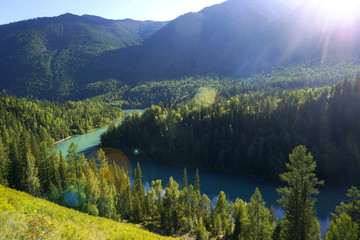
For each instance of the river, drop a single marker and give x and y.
(211, 183)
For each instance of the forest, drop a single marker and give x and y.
(252, 133)
(305, 75)
(100, 187)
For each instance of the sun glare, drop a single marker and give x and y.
(339, 10)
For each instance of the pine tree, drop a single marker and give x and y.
(32, 180)
(201, 233)
(351, 207)
(185, 179)
(157, 187)
(222, 210)
(24, 148)
(277, 231)
(240, 220)
(168, 219)
(64, 172)
(297, 198)
(197, 181)
(16, 169)
(259, 226)
(341, 228)
(106, 204)
(4, 164)
(104, 165)
(138, 195)
(71, 157)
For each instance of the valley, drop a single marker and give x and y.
(238, 121)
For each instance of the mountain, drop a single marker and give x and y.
(24, 216)
(235, 38)
(75, 57)
(41, 57)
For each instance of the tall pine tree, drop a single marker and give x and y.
(297, 198)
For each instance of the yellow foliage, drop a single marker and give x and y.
(25, 217)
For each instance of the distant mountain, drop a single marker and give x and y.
(73, 57)
(236, 38)
(41, 57)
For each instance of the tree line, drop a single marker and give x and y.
(100, 187)
(252, 132)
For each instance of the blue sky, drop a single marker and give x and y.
(159, 10)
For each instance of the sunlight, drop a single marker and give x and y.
(339, 10)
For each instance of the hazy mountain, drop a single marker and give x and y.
(74, 57)
(41, 57)
(237, 38)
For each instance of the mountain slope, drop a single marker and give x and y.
(24, 216)
(73, 57)
(41, 57)
(236, 38)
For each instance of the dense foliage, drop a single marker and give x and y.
(252, 133)
(46, 119)
(310, 74)
(28, 129)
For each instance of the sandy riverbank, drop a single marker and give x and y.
(63, 139)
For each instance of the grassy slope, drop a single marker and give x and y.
(25, 217)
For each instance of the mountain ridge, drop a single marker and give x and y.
(236, 38)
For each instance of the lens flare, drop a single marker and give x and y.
(206, 96)
(74, 195)
(115, 156)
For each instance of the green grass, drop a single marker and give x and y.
(23, 216)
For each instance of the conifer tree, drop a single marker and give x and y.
(341, 228)
(222, 210)
(201, 233)
(64, 172)
(138, 195)
(24, 149)
(259, 226)
(71, 157)
(4, 164)
(240, 220)
(350, 207)
(32, 180)
(156, 185)
(169, 221)
(106, 201)
(104, 165)
(197, 181)
(185, 180)
(277, 231)
(205, 208)
(14, 179)
(297, 198)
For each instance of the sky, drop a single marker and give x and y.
(158, 10)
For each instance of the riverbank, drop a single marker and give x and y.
(64, 139)
(94, 129)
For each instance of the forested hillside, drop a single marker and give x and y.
(252, 133)
(309, 74)
(42, 57)
(73, 57)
